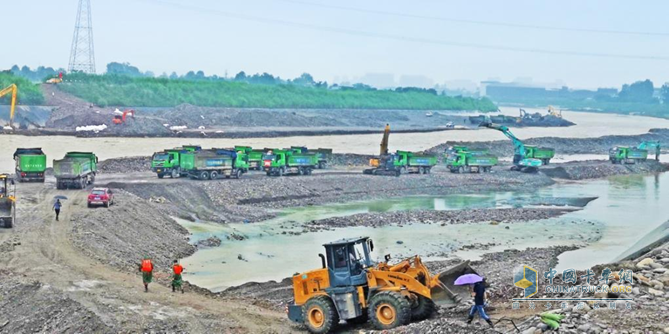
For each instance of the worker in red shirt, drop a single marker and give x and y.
(146, 267)
(177, 280)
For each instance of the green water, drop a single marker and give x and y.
(626, 209)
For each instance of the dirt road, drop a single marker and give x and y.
(106, 298)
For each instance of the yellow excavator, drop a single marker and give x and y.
(350, 287)
(12, 107)
(553, 112)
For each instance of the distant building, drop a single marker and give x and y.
(420, 81)
(515, 92)
(379, 80)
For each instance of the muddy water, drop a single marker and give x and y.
(588, 125)
(627, 208)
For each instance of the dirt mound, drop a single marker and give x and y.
(443, 217)
(130, 228)
(35, 307)
(125, 165)
(599, 169)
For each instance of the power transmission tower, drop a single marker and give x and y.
(82, 56)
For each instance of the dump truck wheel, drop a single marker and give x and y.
(175, 173)
(160, 176)
(238, 174)
(320, 315)
(388, 310)
(422, 309)
(213, 175)
(204, 176)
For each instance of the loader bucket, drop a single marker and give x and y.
(445, 292)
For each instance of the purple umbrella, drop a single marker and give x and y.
(468, 279)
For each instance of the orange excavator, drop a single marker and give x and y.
(120, 119)
(11, 89)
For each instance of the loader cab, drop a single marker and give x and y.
(347, 260)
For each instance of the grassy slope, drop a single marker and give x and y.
(154, 92)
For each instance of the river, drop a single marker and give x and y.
(627, 208)
(587, 125)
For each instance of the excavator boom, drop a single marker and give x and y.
(384, 141)
(12, 107)
(519, 147)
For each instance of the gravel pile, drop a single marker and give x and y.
(439, 217)
(33, 307)
(280, 192)
(129, 229)
(125, 165)
(598, 169)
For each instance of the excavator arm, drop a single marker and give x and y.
(384, 141)
(14, 90)
(518, 146)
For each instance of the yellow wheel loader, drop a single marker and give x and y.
(7, 201)
(349, 287)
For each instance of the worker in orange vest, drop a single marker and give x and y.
(146, 267)
(177, 280)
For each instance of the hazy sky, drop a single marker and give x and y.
(288, 37)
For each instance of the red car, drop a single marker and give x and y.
(100, 196)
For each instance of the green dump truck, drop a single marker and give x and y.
(214, 163)
(544, 154)
(468, 162)
(30, 164)
(169, 162)
(76, 170)
(254, 156)
(323, 154)
(411, 162)
(283, 162)
(627, 155)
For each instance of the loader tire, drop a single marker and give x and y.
(388, 309)
(320, 315)
(422, 309)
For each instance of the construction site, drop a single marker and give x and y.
(342, 214)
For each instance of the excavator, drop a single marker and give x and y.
(383, 164)
(120, 119)
(526, 158)
(350, 287)
(553, 112)
(12, 107)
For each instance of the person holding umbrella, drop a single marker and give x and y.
(479, 296)
(56, 207)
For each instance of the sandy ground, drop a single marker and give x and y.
(43, 253)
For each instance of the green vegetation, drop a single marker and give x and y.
(29, 93)
(123, 90)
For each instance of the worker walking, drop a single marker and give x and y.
(146, 267)
(479, 304)
(177, 280)
(56, 207)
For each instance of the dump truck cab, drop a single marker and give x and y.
(170, 162)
